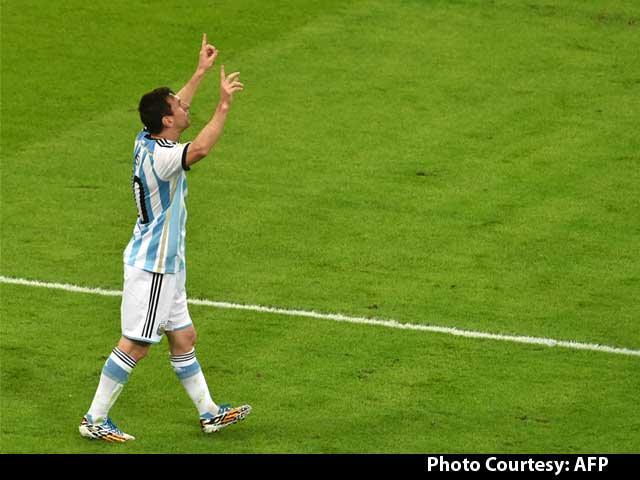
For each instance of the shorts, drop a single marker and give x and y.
(153, 303)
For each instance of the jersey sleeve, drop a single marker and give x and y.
(170, 159)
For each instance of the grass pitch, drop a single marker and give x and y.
(463, 163)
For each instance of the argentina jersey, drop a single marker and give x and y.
(160, 189)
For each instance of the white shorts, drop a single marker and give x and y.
(153, 303)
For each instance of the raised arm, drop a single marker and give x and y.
(208, 54)
(210, 134)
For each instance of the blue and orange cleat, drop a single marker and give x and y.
(105, 430)
(226, 416)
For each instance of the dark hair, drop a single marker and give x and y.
(153, 106)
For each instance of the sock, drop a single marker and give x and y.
(115, 374)
(190, 374)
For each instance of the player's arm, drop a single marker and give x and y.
(208, 54)
(209, 135)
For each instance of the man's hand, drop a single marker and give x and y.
(210, 134)
(208, 54)
(229, 85)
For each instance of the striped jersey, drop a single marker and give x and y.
(160, 189)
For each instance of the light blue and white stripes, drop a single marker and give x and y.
(185, 365)
(119, 366)
(159, 189)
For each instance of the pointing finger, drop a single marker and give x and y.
(204, 39)
(222, 76)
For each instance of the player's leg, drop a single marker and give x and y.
(115, 374)
(142, 308)
(185, 364)
(182, 338)
(188, 370)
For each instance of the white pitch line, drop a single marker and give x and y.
(548, 342)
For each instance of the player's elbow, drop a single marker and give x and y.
(196, 153)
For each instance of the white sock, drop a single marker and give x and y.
(190, 374)
(115, 374)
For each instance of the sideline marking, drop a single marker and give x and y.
(548, 342)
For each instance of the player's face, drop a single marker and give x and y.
(180, 112)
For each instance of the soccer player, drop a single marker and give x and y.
(154, 300)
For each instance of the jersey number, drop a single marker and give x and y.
(138, 195)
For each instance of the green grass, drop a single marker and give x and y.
(460, 163)
(313, 386)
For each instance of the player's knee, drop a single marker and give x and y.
(182, 341)
(138, 350)
(193, 336)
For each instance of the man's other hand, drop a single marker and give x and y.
(228, 86)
